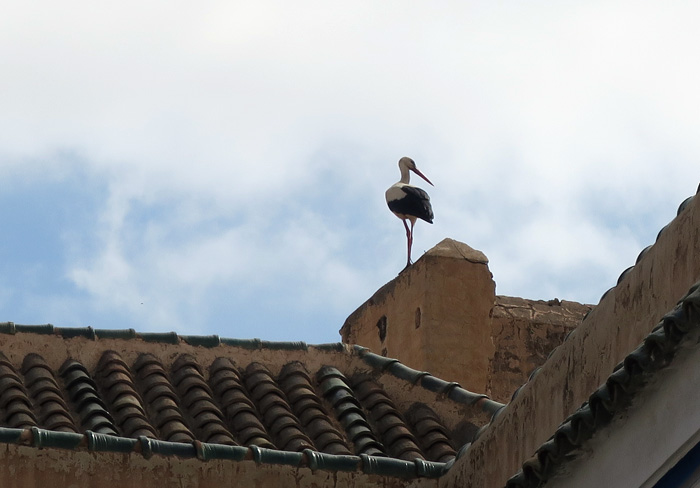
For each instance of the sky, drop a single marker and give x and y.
(220, 167)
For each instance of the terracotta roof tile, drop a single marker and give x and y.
(432, 435)
(86, 400)
(392, 429)
(195, 401)
(15, 405)
(119, 391)
(276, 411)
(308, 407)
(161, 400)
(349, 412)
(52, 409)
(236, 406)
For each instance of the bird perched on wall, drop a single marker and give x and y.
(408, 202)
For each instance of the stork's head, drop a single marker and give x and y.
(408, 163)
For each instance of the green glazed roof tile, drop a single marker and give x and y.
(7, 328)
(35, 329)
(115, 333)
(206, 452)
(244, 343)
(388, 466)
(429, 469)
(166, 337)
(377, 361)
(284, 346)
(262, 455)
(10, 436)
(330, 347)
(149, 447)
(50, 438)
(109, 443)
(319, 460)
(402, 371)
(70, 332)
(204, 341)
(436, 385)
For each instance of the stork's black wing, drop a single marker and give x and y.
(416, 203)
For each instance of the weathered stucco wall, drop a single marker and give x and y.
(525, 332)
(28, 467)
(615, 327)
(433, 316)
(662, 423)
(442, 316)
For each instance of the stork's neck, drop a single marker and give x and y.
(405, 175)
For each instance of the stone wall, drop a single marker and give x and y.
(524, 333)
(29, 467)
(433, 316)
(442, 315)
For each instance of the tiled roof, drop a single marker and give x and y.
(329, 406)
(654, 354)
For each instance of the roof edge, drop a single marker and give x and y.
(208, 341)
(450, 389)
(147, 447)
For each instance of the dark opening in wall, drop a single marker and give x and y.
(381, 325)
(418, 315)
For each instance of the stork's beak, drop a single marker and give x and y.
(416, 171)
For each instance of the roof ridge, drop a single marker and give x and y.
(684, 204)
(172, 337)
(450, 389)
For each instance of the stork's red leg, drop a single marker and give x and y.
(410, 242)
(409, 239)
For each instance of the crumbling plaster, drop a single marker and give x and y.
(28, 467)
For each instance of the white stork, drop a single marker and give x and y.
(409, 202)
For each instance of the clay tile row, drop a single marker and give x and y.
(236, 406)
(119, 392)
(51, 408)
(349, 412)
(161, 400)
(85, 399)
(185, 401)
(388, 421)
(275, 410)
(197, 401)
(307, 406)
(15, 406)
(432, 435)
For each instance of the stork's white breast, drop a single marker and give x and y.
(395, 193)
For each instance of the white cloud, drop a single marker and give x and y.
(544, 127)
(163, 272)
